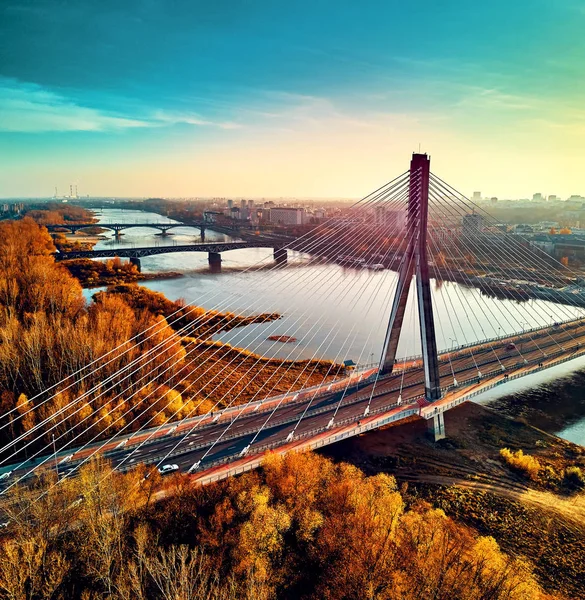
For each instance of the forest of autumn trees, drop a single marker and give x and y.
(301, 528)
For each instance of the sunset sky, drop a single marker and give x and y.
(306, 98)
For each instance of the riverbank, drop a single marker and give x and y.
(556, 405)
(541, 520)
(217, 374)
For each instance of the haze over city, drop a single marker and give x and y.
(302, 99)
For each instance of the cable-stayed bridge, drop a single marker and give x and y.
(462, 342)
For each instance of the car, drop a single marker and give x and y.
(165, 469)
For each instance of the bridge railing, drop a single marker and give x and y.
(335, 386)
(366, 427)
(453, 351)
(369, 396)
(490, 386)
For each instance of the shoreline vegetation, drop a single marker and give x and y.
(284, 339)
(48, 330)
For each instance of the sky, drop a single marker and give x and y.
(266, 98)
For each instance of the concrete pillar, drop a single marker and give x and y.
(437, 426)
(214, 258)
(136, 262)
(280, 256)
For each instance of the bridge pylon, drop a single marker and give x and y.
(415, 262)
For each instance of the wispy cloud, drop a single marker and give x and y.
(26, 107)
(493, 98)
(30, 108)
(172, 118)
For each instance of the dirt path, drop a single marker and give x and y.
(567, 508)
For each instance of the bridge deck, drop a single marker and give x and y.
(130, 252)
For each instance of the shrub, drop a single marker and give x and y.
(523, 463)
(574, 478)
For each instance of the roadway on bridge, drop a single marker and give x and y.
(190, 444)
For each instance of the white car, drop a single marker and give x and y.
(168, 469)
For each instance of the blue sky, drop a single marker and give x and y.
(320, 98)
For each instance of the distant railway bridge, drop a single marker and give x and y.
(213, 249)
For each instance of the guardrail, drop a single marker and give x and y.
(355, 379)
(375, 411)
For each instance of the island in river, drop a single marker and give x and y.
(97, 273)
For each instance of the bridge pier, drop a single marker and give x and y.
(280, 256)
(436, 426)
(134, 260)
(214, 259)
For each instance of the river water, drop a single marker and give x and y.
(340, 313)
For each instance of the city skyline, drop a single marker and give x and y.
(275, 100)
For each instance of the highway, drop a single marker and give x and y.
(205, 442)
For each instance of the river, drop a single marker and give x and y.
(340, 313)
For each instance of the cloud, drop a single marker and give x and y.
(493, 98)
(26, 107)
(171, 118)
(30, 108)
